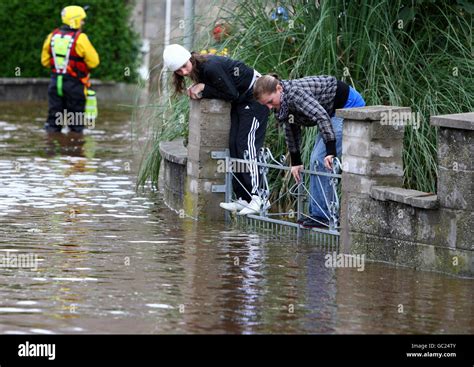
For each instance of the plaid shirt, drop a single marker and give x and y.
(309, 102)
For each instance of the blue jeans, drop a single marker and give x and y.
(319, 186)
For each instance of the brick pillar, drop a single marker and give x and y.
(371, 155)
(456, 174)
(209, 126)
(455, 160)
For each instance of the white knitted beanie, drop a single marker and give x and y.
(175, 56)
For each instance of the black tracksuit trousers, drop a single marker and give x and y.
(247, 133)
(60, 108)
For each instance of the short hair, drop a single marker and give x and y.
(266, 84)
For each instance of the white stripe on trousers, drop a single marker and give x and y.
(253, 155)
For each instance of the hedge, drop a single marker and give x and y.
(26, 24)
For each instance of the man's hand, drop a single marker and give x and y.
(194, 91)
(328, 162)
(295, 171)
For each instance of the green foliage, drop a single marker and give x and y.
(406, 53)
(172, 116)
(26, 24)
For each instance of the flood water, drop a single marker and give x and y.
(110, 260)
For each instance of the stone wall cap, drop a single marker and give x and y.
(174, 151)
(23, 81)
(27, 81)
(429, 201)
(415, 198)
(217, 106)
(464, 121)
(371, 113)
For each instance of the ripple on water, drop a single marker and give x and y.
(118, 256)
(19, 310)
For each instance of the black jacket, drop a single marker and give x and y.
(225, 79)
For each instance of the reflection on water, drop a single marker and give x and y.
(112, 261)
(70, 143)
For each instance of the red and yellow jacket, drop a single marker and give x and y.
(83, 55)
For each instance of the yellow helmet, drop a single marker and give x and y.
(72, 16)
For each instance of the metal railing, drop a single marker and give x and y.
(283, 221)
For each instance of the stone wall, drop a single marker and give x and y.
(209, 126)
(378, 217)
(190, 173)
(400, 226)
(36, 89)
(173, 172)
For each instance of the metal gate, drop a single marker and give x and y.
(284, 223)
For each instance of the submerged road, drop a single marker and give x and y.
(108, 260)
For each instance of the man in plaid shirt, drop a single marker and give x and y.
(310, 101)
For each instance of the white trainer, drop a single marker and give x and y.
(234, 206)
(254, 206)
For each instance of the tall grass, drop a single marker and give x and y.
(168, 123)
(416, 54)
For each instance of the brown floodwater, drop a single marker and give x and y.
(109, 260)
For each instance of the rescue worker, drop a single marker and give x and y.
(70, 55)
